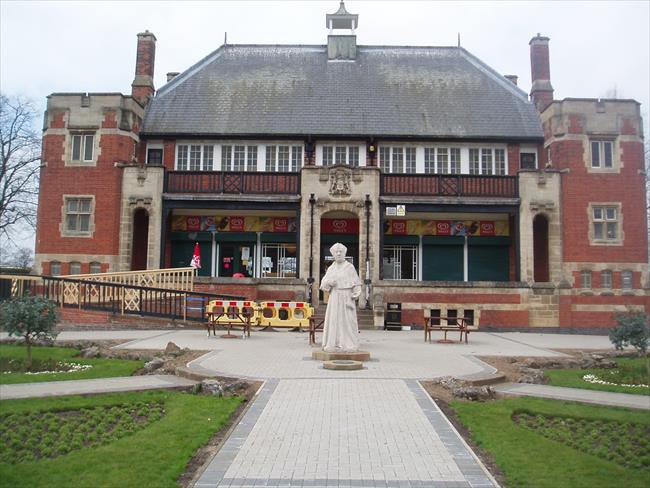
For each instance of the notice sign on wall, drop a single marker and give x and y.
(483, 228)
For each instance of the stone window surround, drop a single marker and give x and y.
(620, 236)
(616, 161)
(91, 224)
(67, 153)
(156, 145)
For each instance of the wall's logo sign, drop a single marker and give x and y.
(443, 228)
(399, 227)
(339, 225)
(193, 223)
(487, 228)
(237, 224)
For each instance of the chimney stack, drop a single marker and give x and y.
(142, 87)
(541, 91)
(512, 78)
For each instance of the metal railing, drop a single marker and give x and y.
(232, 182)
(450, 185)
(121, 299)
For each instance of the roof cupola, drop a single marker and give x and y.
(342, 46)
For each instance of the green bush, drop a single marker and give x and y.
(632, 330)
(31, 318)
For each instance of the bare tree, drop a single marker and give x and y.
(20, 150)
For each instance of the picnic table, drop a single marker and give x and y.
(229, 319)
(451, 324)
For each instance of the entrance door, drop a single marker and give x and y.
(140, 242)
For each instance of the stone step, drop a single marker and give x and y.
(482, 379)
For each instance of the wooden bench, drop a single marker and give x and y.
(452, 324)
(242, 320)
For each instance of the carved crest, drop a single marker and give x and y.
(340, 182)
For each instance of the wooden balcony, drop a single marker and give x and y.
(450, 185)
(232, 182)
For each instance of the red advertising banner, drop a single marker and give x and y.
(339, 226)
(237, 224)
(281, 224)
(398, 227)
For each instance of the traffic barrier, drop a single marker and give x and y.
(229, 311)
(284, 314)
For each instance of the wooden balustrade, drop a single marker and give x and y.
(232, 182)
(450, 185)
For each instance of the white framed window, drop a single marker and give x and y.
(602, 154)
(75, 268)
(82, 148)
(606, 279)
(340, 154)
(487, 161)
(238, 157)
(605, 223)
(283, 158)
(585, 279)
(155, 156)
(95, 267)
(328, 155)
(279, 261)
(397, 159)
(78, 216)
(442, 160)
(627, 282)
(194, 157)
(400, 263)
(528, 160)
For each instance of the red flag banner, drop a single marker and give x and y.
(196, 257)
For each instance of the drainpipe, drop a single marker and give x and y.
(367, 281)
(310, 279)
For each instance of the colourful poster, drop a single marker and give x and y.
(219, 223)
(482, 228)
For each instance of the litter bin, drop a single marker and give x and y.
(393, 319)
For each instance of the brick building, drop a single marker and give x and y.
(451, 188)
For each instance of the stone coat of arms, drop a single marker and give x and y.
(340, 182)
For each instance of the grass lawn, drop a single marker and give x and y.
(155, 454)
(541, 443)
(630, 371)
(101, 368)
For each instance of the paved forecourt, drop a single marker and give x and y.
(344, 432)
(403, 354)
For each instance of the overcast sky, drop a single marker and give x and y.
(597, 48)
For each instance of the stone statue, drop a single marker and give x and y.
(341, 331)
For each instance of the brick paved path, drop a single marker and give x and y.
(344, 433)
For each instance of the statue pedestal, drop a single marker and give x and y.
(342, 365)
(344, 356)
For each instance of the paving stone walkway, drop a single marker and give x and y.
(344, 433)
(90, 387)
(641, 402)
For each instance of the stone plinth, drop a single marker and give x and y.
(332, 356)
(342, 364)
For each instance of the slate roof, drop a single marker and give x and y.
(265, 90)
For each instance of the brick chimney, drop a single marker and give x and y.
(142, 87)
(541, 91)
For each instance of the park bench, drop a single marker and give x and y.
(451, 324)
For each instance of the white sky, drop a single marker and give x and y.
(597, 48)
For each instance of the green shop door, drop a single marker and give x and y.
(488, 259)
(182, 252)
(442, 258)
